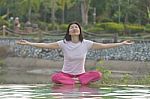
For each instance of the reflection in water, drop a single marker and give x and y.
(43, 91)
(72, 91)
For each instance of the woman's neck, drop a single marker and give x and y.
(75, 39)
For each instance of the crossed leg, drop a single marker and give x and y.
(62, 78)
(85, 78)
(90, 76)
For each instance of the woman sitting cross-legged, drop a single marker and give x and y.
(74, 48)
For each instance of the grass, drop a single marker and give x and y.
(127, 79)
(2, 63)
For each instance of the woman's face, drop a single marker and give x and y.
(74, 30)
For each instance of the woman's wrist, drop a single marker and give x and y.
(122, 43)
(29, 43)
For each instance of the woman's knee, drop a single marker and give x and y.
(55, 76)
(97, 74)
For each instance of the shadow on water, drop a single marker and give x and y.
(43, 91)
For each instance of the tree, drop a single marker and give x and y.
(65, 3)
(27, 6)
(53, 10)
(9, 6)
(144, 7)
(84, 11)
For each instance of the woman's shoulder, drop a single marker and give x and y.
(85, 40)
(61, 41)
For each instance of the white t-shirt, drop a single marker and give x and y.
(74, 55)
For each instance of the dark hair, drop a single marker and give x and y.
(68, 37)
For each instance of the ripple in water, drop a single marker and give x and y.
(42, 91)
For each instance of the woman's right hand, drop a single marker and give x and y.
(23, 42)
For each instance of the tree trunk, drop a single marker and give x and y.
(139, 18)
(53, 18)
(125, 23)
(84, 11)
(29, 11)
(63, 16)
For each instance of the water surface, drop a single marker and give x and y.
(47, 91)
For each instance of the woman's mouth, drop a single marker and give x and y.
(74, 31)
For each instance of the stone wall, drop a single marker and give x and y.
(140, 51)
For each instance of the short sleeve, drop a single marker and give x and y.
(60, 43)
(88, 43)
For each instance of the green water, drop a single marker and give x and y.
(43, 91)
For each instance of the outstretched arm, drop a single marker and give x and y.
(39, 45)
(112, 45)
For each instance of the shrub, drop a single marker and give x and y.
(3, 22)
(52, 26)
(103, 20)
(1, 63)
(95, 29)
(63, 27)
(112, 27)
(147, 28)
(42, 25)
(135, 28)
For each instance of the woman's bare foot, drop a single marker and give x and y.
(76, 80)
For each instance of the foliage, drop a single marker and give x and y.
(131, 11)
(63, 27)
(115, 27)
(112, 27)
(3, 22)
(42, 25)
(105, 73)
(53, 27)
(103, 20)
(47, 12)
(135, 28)
(62, 3)
(126, 79)
(1, 63)
(147, 28)
(94, 29)
(145, 80)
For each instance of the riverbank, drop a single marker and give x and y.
(33, 70)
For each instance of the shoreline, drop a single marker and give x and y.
(31, 70)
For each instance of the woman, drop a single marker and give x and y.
(75, 49)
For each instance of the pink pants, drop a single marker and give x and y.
(85, 78)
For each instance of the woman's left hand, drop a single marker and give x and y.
(127, 42)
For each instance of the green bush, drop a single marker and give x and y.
(63, 27)
(147, 28)
(106, 73)
(112, 27)
(53, 27)
(95, 29)
(115, 27)
(3, 22)
(1, 63)
(103, 20)
(42, 25)
(50, 27)
(98, 25)
(135, 28)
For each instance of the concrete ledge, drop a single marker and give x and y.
(128, 66)
(35, 62)
(31, 70)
